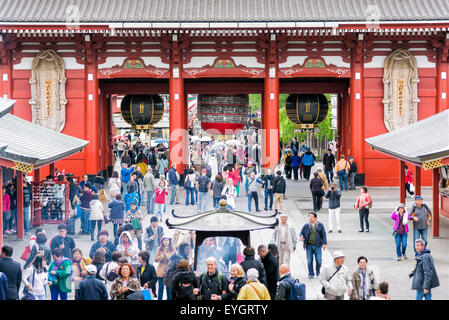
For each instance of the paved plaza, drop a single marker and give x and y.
(378, 245)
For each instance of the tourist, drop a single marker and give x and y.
(79, 264)
(27, 198)
(236, 176)
(125, 173)
(134, 217)
(342, 169)
(216, 189)
(288, 165)
(173, 182)
(303, 147)
(125, 284)
(252, 189)
(96, 216)
(159, 200)
(315, 186)
(279, 186)
(162, 166)
(168, 260)
(364, 281)
(85, 182)
(91, 288)
(128, 246)
(400, 230)
(273, 248)
(12, 271)
(63, 241)
(424, 275)
(6, 210)
(146, 273)
(189, 186)
(153, 237)
(203, 185)
(422, 218)
(126, 158)
(251, 262)
(99, 181)
(237, 281)
(313, 235)
(109, 267)
(271, 267)
(35, 278)
(334, 196)
(117, 212)
(40, 247)
(114, 185)
(284, 237)
(285, 283)
(335, 278)
(11, 190)
(184, 282)
(231, 248)
(308, 160)
(352, 172)
(253, 290)
(381, 293)
(131, 196)
(268, 181)
(363, 203)
(85, 198)
(230, 193)
(329, 164)
(150, 185)
(408, 181)
(212, 284)
(296, 162)
(98, 261)
(59, 275)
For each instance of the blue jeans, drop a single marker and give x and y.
(173, 194)
(55, 292)
(215, 202)
(26, 219)
(420, 294)
(92, 227)
(5, 221)
(85, 223)
(150, 202)
(254, 195)
(202, 201)
(158, 208)
(196, 194)
(190, 191)
(343, 179)
(125, 188)
(116, 226)
(269, 193)
(419, 234)
(329, 174)
(401, 241)
(313, 251)
(160, 291)
(12, 219)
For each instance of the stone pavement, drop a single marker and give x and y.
(378, 245)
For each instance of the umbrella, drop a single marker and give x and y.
(206, 139)
(160, 141)
(233, 142)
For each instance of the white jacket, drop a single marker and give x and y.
(96, 210)
(230, 193)
(133, 249)
(340, 282)
(40, 280)
(109, 266)
(114, 185)
(292, 239)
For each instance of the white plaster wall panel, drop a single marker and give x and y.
(376, 62)
(250, 62)
(423, 62)
(111, 61)
(155, 61)
(336, 60)
(70, 64)
(198, 62)
(291, 61)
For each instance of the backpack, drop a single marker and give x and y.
(188, 183)
(203, 182)
(297, 289)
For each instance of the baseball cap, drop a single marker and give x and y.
(419, 197)
(91, 269)
(338, 254)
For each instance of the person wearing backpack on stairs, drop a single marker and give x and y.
(289, 288)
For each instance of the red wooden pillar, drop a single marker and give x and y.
(37, 211)
(91, 109)
(418, 180)
(52, 169)
(339, 133)
(103, 127)
(5, 69)
(1, 206)
(442, 85)
(270, 109)
(345, 125)
(356, 112)
(436, 202)
(110, 131)
(178, 147)
(402, 182)
(19, 192)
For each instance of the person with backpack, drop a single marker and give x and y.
(149, 184)
(296, 162)
(168, 260)
(216, 189)
(315, 186)
(313, 235)
(117, 213)
(422, 218)
(289, 288)
(40, 247)
(63, 242)
(131, 196)
(279, 192)
(134, 216)
(35, 278)
(203, 185)
(60, 275)
(212, 284)
(184, 282)
(253, 290)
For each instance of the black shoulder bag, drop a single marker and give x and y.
(323, 290)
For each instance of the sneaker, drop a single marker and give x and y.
(13, 231)
(405, 257)
(399, 259)
(310, 277)
(7, 231)
(330, 231)
(339, 231)
(361, 230)
(266, 209)
(367, 230)
(257, 210)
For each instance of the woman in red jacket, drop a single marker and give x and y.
(235, 176)
(159, 200)
(6, 213)
(408, 181)
(364, 202)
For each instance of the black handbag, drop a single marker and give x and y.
(323, 290)
(27, 295)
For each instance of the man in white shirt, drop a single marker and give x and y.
(284, 236)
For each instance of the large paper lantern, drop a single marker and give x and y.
(142, 111)
(307, 110)
(223, 112)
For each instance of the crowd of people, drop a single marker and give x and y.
(141, 262)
